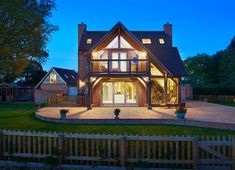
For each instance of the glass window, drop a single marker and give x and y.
(171, 89)
(155, 71)
(89, 41)
(161, 41)
(115, 65)
(52, 78)
(114, 43)
(107, 93)
(119, 92)
(131, 92)
(146, 41)
(123, 64)
(125, 44)
(157, 91)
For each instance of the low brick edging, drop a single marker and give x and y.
(186, 122)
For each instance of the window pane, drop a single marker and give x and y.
(123, 56)
(125, 44)
(157, 91)
(119, 92)
(115, 66)
(114, 43)
(155, 71)
(131, 92)
(107, 93)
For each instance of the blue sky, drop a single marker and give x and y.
(198, 25)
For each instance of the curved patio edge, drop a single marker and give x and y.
(186, 122)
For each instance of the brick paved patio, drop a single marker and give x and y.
(199, 111)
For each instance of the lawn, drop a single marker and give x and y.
(232, 104)
(21, 117)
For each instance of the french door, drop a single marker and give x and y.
(119, 93)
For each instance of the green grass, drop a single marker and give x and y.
(224, 103)
(21, 117)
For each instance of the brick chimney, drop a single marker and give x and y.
(168, 31)
(81, 29)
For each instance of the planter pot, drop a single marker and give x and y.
(63, 115)
(180, 115)
(116, 115)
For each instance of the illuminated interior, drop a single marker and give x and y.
(157, 91)
(155, 71)
(120, 57)
(52, 78)
(146, 41)
(119, 93)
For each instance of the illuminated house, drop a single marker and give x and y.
(128, 68)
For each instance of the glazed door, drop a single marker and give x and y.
(119, 92)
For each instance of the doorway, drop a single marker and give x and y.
(119, 93)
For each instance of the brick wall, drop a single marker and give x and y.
(46, 90)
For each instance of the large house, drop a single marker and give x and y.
(120, 67)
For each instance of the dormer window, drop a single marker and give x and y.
(161, 41)
(73, 77)
(89, 41)
(66, 76)
(52, 78)
(146, 41)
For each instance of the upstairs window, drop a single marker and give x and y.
(89, 41)
(52, 78)
(146, 41)
(66, 76)
(161, 41)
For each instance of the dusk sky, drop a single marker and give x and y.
(201, 26)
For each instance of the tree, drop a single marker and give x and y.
(24, 34)
(200, 69)
(212, 74)
(32, 74)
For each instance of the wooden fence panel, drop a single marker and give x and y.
(119, 150)
(66, 101)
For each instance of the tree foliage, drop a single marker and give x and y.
(24, 34)
(32, 74)
(212, 74)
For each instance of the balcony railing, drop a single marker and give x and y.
(128, 66)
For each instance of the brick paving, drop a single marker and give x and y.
(197, 111)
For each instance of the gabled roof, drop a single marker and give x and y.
(68, 76)
(71, 79)
(166, 55)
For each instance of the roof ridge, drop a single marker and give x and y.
(63, 68)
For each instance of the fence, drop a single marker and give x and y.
(118, 150)
(220, 98)
(66, 100)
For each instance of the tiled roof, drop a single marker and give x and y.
(167, 55)
(69, 76)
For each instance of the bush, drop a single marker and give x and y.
(213, 90)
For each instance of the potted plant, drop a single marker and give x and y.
(116, 113)
(63, 113)
(180, 112)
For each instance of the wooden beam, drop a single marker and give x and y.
(165, 89)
